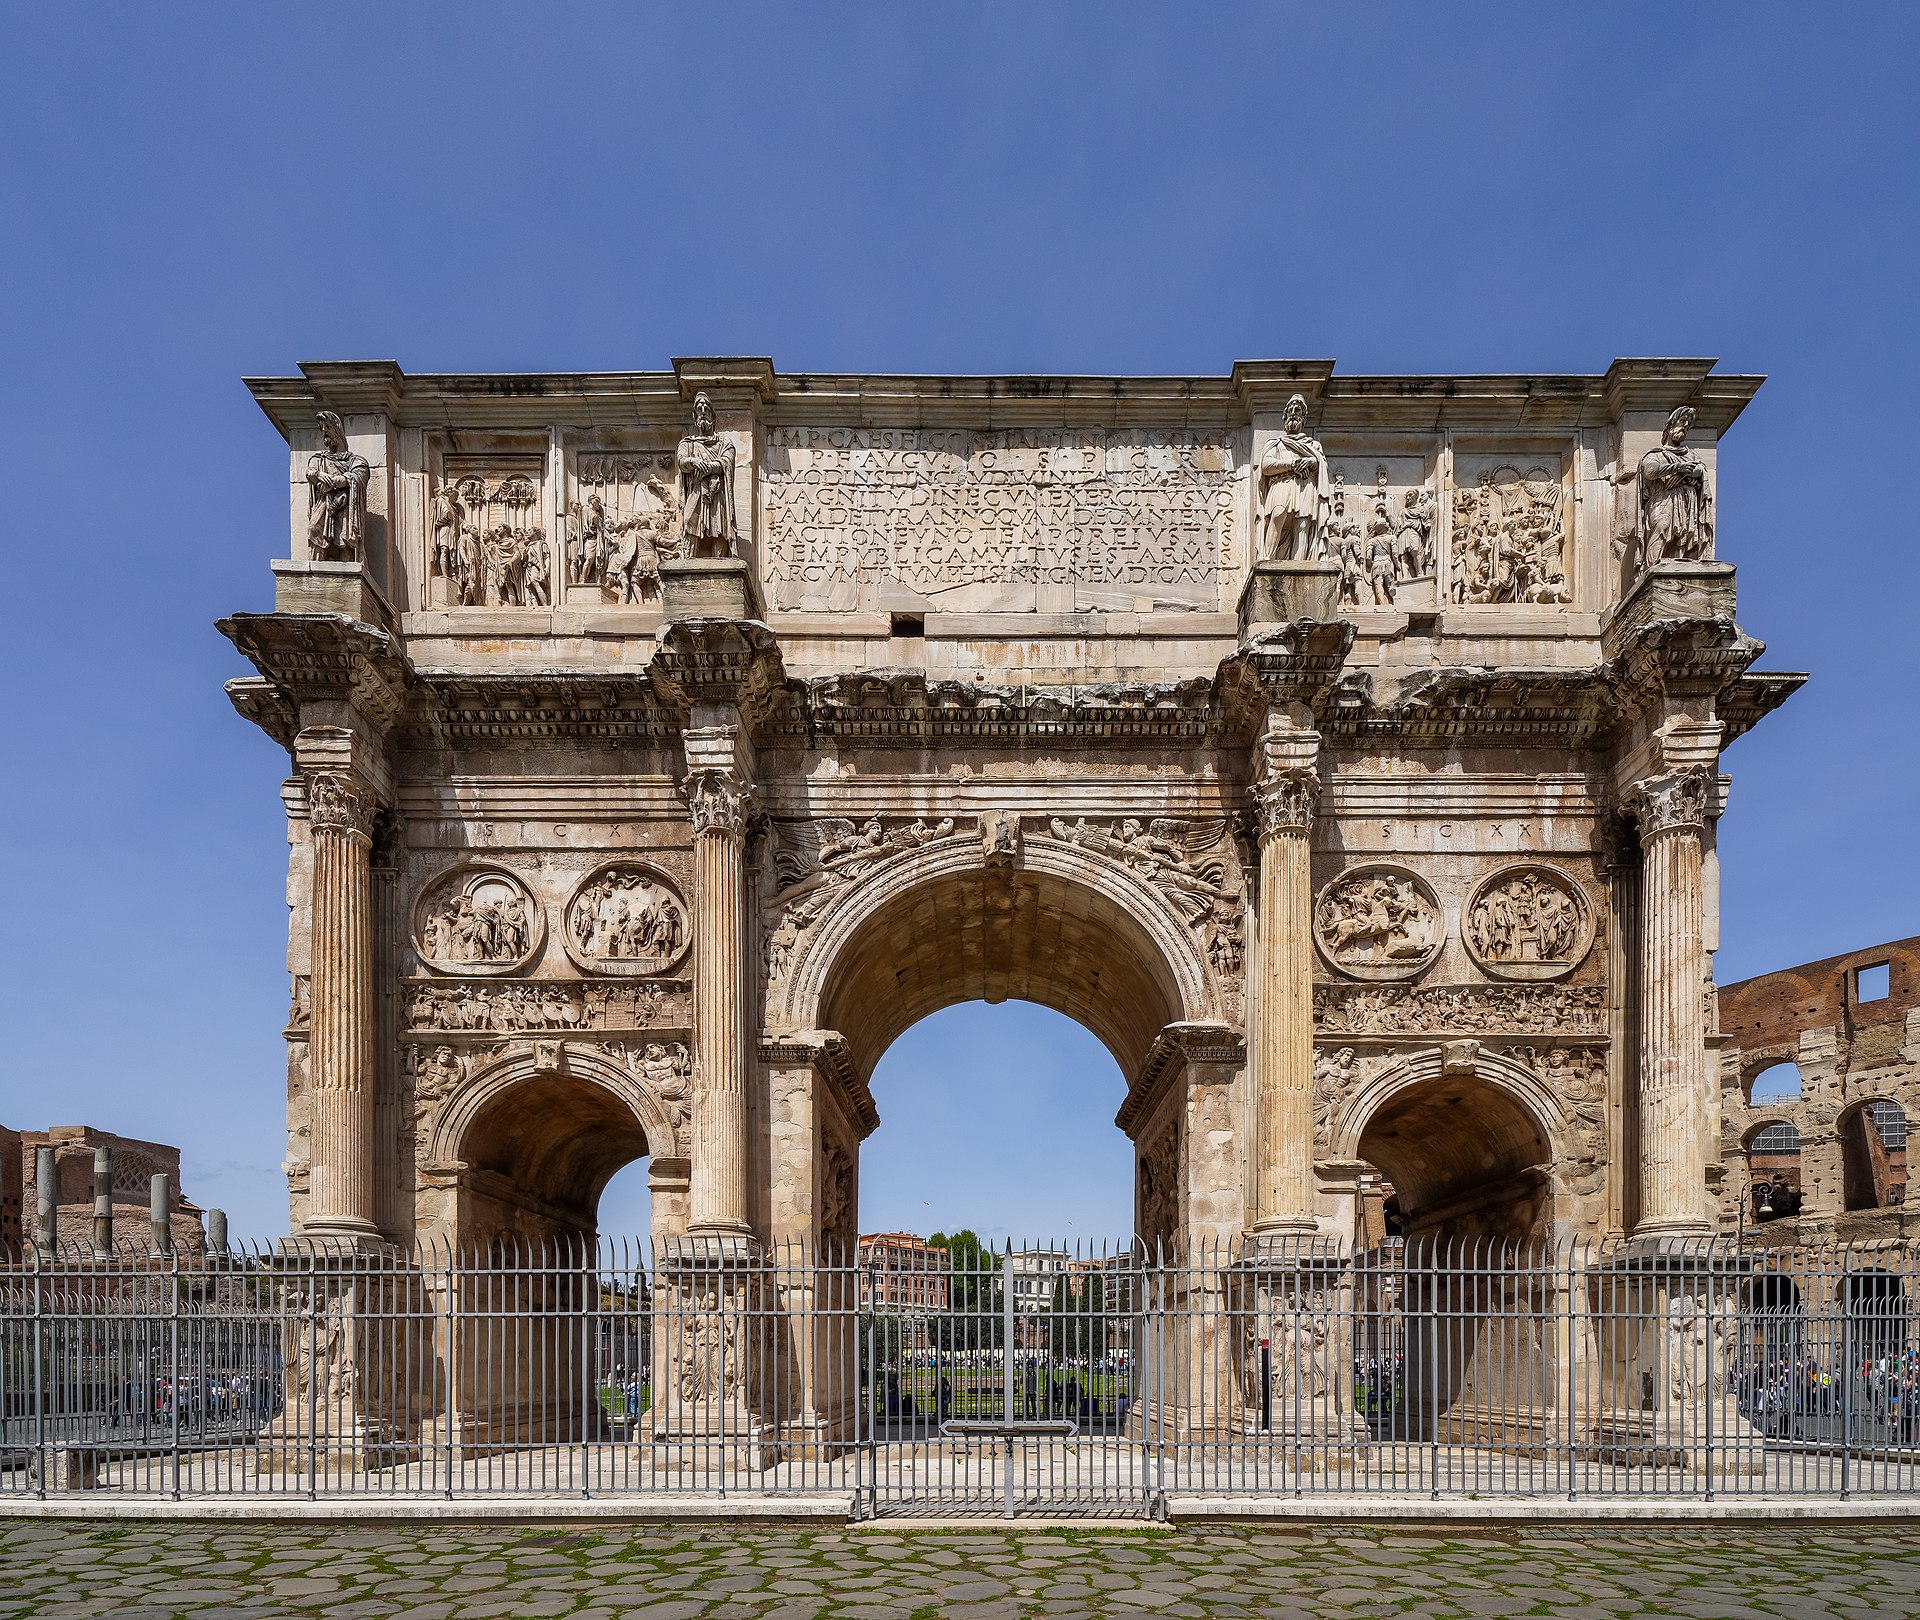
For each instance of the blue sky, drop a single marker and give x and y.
(194, 194)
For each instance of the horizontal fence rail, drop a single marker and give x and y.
(1009, 1380)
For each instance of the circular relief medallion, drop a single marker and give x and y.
(1528, 922)
(477, 919)
(1378, 921)
(627, 919)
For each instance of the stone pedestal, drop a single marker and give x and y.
(715, 1335)
(354, 1371)
(1295, 1360)
(709, 588)
(1666, 1314)
(331, 587)
(1279, 593)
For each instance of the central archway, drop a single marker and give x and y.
(1045, 922)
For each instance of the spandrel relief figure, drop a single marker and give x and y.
(1378, 922)
(705, 461)
(1676, 506)
(1295, 490)
(337, 481)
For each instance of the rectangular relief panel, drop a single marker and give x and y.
(1034, 520)
(1510, 529)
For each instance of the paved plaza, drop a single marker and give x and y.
(669, 1572)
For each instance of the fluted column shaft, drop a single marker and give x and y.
(717, 1194)
(340, 1057)
(1288, 796)
(1672, 811)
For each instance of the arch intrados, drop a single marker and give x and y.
(1753, 1132)
(1084, 937)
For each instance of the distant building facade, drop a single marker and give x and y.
(1820, 1078)
(903, 1273)
(135, 1162)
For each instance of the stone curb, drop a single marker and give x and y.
(1182, 1511)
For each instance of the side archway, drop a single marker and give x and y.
(531, 1140)
(1468, 1139)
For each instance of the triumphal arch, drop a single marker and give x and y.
(1344, 751)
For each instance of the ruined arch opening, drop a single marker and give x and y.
(538, 1154)
(1873, 1155)
(1466, 1160)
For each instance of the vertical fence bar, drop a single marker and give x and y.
(1846, 1373)
(173, 1370)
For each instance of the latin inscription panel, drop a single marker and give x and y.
(1017, 520)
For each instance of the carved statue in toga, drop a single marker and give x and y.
(1295, 490)
(705, 461)
(1676, 507)
(336, 496)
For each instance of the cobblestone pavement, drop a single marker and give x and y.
(248, 1572)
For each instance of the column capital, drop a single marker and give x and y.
(1681, 800)
(721, 801)
(337, 803)
(1286, 788)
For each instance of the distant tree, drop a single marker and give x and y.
(972, 1317)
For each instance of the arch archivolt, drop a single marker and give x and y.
(796, 1002)
(615, 1069)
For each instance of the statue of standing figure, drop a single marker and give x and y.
(336, 496)
(705, 461)
(1676, 508)
(1295, 490)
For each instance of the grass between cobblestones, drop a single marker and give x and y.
(667, 1572)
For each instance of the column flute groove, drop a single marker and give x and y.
(1288, 796)
(717, 1197)
(341, 1103)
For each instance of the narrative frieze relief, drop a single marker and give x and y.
(462, 1008)
(477, 919)
(627, 919)
(1378, 921)
(489, 545)
(982, 519)
(623, 522)
(1453, 1009)
(1528, 922)
(1509, 537)
(1383, 542)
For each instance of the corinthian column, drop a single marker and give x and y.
(341, 1186)
(1288, 795)
(721, 802)
(1672, 810)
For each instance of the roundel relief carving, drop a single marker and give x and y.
(629, 919)
(1528, 922)
(1378, 921)
(477, 919)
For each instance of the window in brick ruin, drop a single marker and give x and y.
(1780, 1083)
(1873, 983)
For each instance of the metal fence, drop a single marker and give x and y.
(1009, 1380)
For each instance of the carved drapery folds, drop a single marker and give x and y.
(337, 480)
(1675, 506)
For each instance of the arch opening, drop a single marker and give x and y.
(1465, 1160)
(1777, 1083)
(1873, 1155)
(997, 934)
(539, 1153)
(998, 1120)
